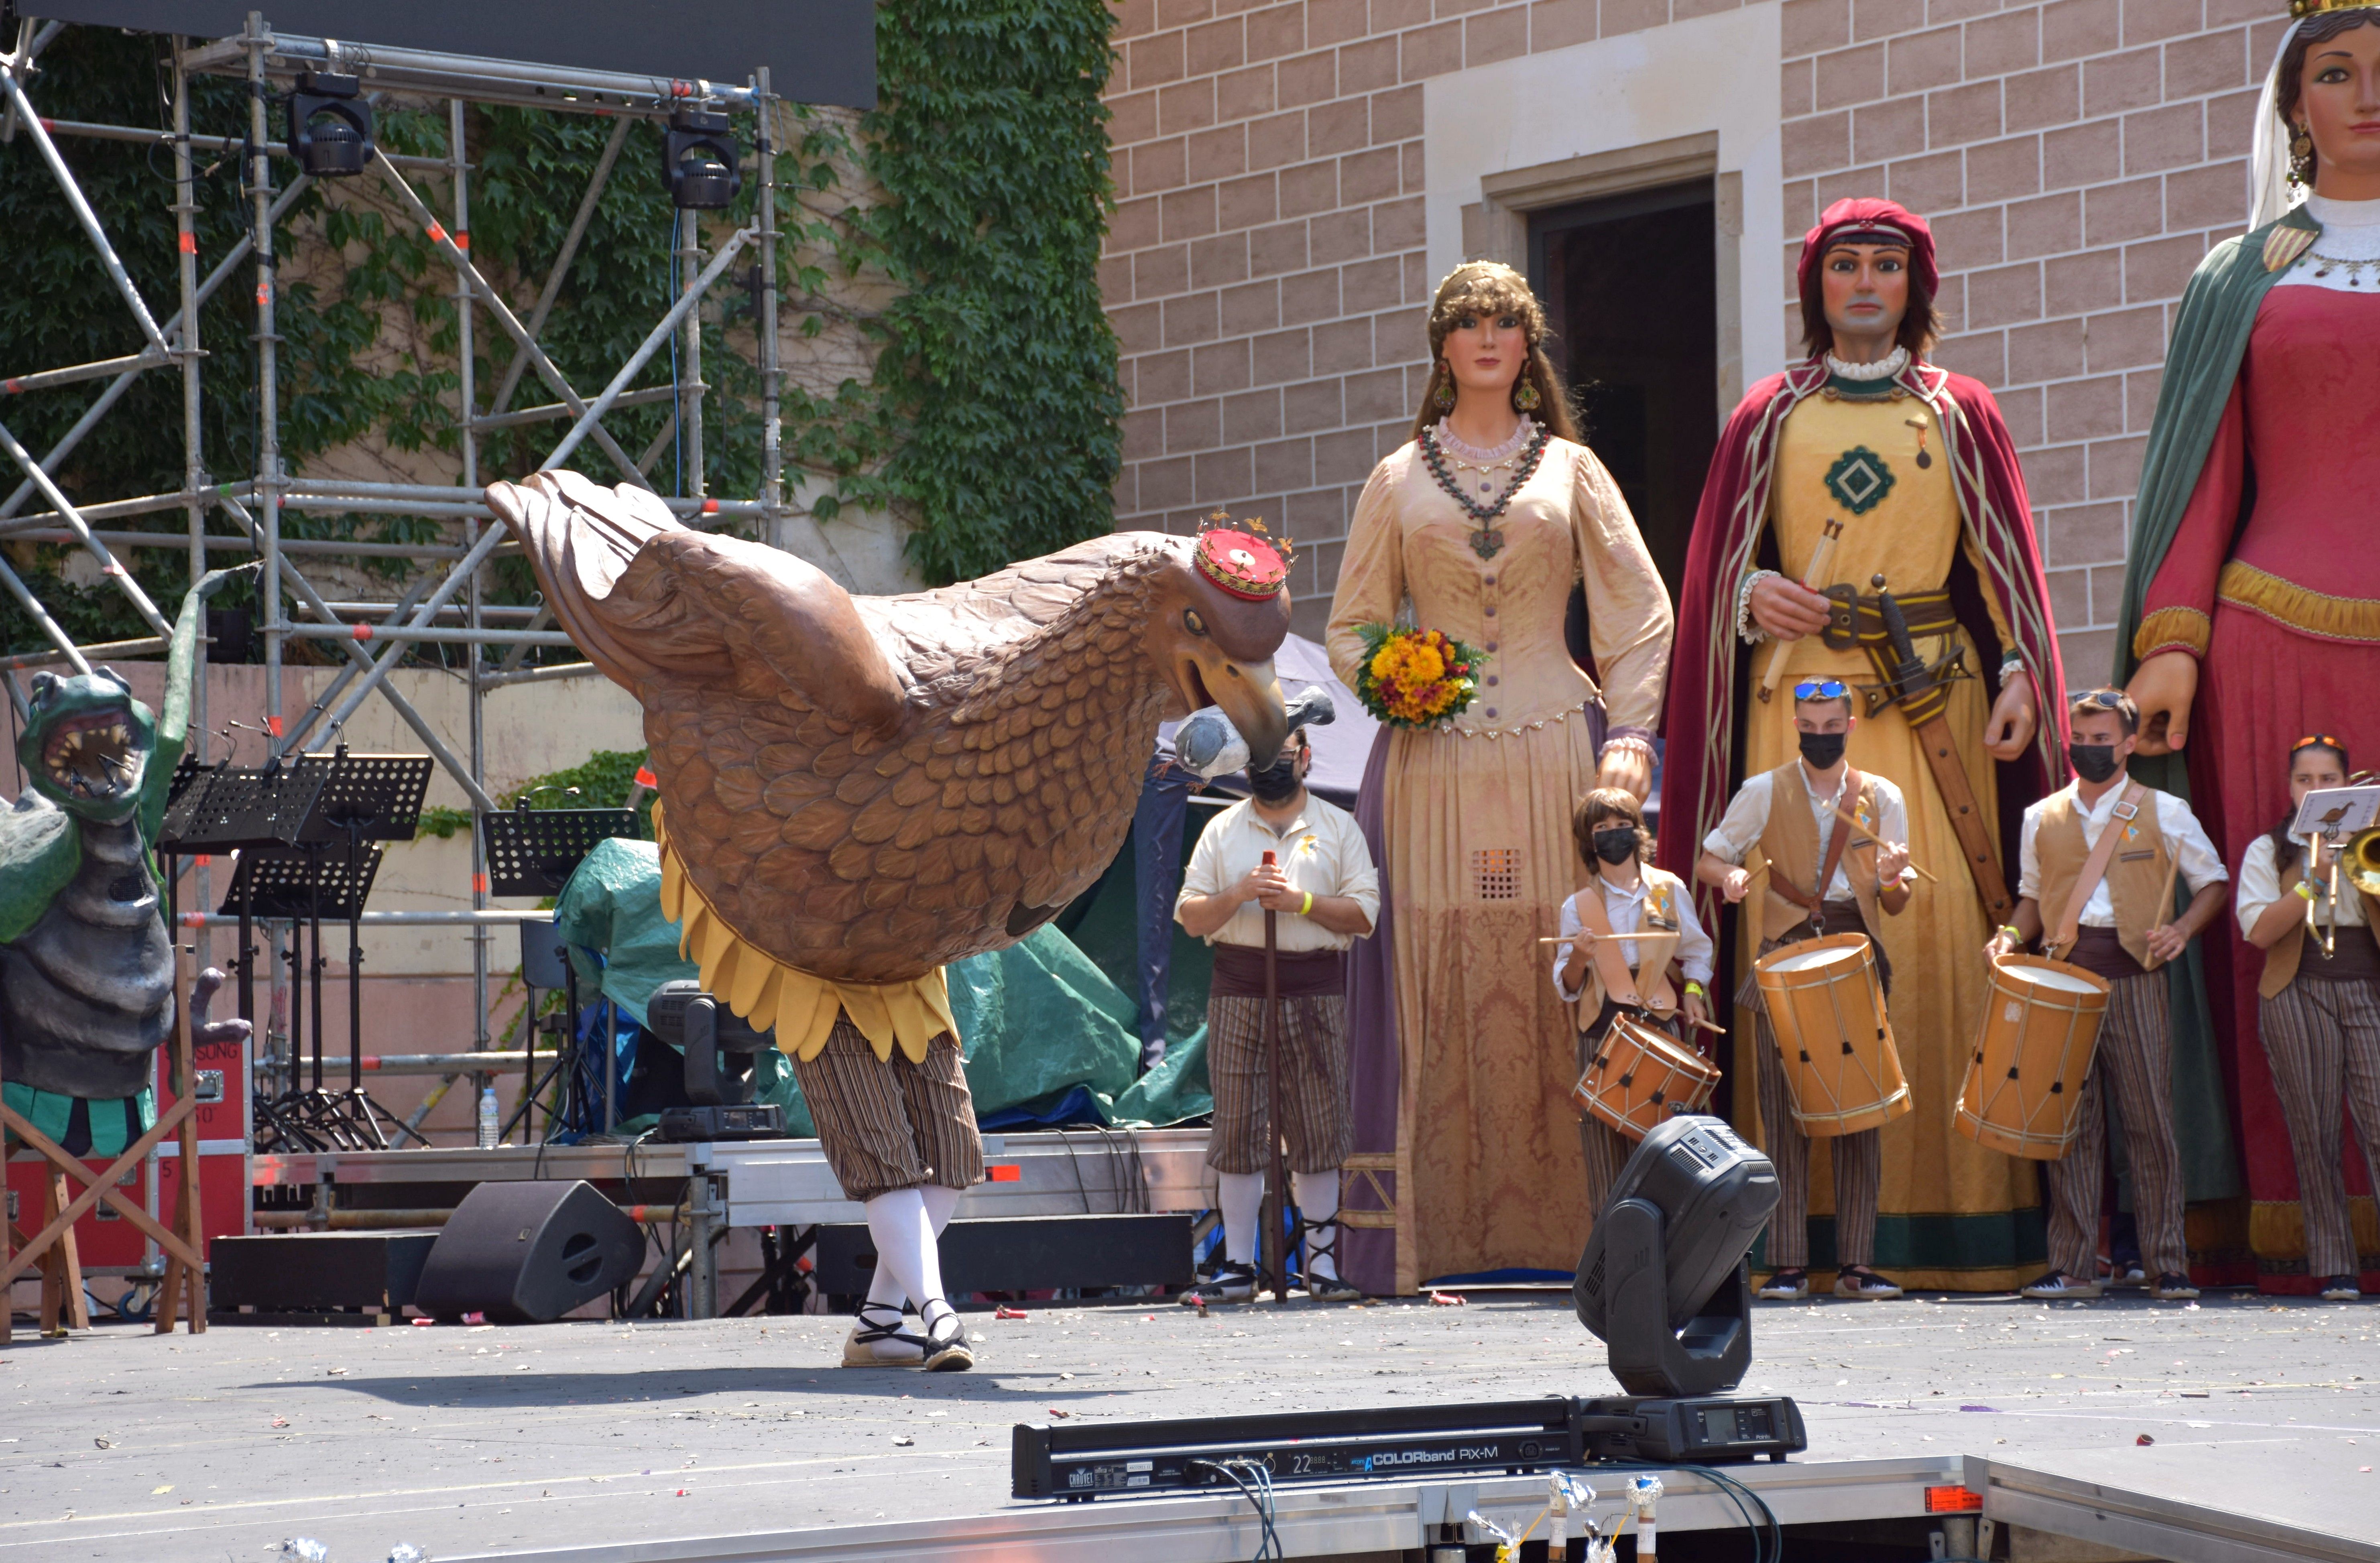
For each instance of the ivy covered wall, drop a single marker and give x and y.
(952, 235)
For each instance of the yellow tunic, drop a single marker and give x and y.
(1935, 945)
(1477, 831)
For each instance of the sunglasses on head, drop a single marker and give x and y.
(1821, 689)
(2317, 741)
(2103, 700)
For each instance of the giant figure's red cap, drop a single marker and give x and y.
(1847, 221)
(1245, 563)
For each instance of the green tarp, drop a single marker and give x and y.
(1035, 1020)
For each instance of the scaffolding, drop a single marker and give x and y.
(446, 607)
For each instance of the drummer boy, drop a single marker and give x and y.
(2112, 897)
(1659, 978)
(1824, 877)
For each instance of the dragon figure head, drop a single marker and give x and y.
(87, 744)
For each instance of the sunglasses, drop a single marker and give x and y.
(2317, 741)
(1821, 689)
(2104, 699)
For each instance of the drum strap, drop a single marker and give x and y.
(1611, 963)
(2094, 868)
(1853, 783)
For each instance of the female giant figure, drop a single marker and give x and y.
(2252, 598)
(1484, 521)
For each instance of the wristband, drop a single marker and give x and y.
(1308, 910)
(2013, 932)
(1693, 987)
(2303, 889)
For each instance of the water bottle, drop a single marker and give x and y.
(491, 1118)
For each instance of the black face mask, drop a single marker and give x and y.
(2093, 762)
(1823, 749)
(1616, 846)
(1279, 781)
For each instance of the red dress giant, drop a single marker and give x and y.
(2273, 581)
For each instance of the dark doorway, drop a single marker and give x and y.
(1631, 286)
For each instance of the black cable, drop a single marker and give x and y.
(1268, 1539)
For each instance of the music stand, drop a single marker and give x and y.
(245, 809)
(305, 887)
(534, 851)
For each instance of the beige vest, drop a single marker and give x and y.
(1664, 893)
(2281, 959)
(1789, 843)
(2135, 875)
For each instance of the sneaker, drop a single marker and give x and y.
(879, 1338)
(945, 1348)
(1786, 1286)
(2174, 1286)
(1231, 1283)
(1860, 1282)
(2341, 1289)
(1331, 1288)
(2057, 1284)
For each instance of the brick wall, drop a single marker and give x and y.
(1265, 268)
(2076, 159)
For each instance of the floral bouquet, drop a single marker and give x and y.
(1415, 677)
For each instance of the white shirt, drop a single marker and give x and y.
(1740, 828)
(2351, 231)
(2185, 840)
(1625, 908)
(1322, 849)
(2260, 886)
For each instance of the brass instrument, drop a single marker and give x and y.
(2359, 859)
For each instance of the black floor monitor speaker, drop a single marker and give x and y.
(528, 1252)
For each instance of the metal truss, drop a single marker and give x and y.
(442, 608)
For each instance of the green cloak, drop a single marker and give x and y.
(2210, 337)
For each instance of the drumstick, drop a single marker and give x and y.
(1814, 578)
(1879, 841)
(1707, 1025)
(2165, 903)
(1583, 937)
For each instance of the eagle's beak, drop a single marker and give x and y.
(1249, 693)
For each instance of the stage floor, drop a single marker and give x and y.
(493, 1442)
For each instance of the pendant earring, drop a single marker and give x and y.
(2301, 158)
(1444, 395)
(1526, 397)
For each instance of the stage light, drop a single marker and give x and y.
(1663, 1279)
(700, 161)
(330, 125)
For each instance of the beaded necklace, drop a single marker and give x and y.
(1488, 540)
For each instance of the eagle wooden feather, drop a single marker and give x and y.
(867, 788)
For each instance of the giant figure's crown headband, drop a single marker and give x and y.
(2303, 9)
(1245, 560)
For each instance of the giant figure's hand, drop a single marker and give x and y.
(1625, 765)
(203, 1031)
(2164, 687)
(2014, 717)
(1788, 609)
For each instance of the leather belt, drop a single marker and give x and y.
(1856, 621)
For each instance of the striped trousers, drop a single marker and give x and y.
(2323, 1038)
(2134, 1061)
(1315, 1121)
(887, 1124)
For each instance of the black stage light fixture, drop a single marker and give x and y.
(701, 160)
(719, 1045)
(330, 125)
(1663, 1281)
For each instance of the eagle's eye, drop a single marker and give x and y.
(1191, 622)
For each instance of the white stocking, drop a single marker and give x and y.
(939, 1203)
(1241, 1194)
(1318, 1201)
(904, 1244)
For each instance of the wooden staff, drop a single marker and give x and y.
(1879, 842)
(1276, 1203)
(1816, 579)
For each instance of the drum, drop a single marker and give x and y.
(2024, 1093)
(1639, 1076)
(1827, 1008)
